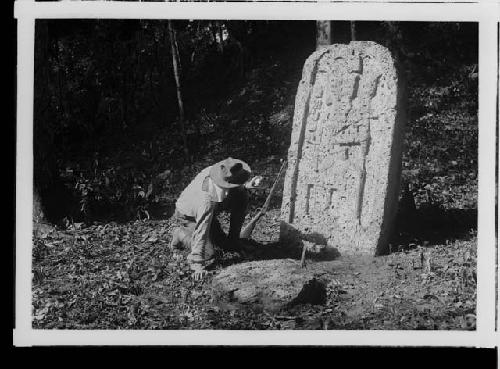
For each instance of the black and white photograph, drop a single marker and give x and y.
(255, 174)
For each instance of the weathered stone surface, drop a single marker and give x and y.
(271, 284)
(341, 186)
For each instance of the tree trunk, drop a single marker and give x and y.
(213, 29)
(176, 68)
(353, 31)
(44, 142)
(221, 37)
(323, 34)
(394, 38)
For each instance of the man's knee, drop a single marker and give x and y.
(181, 238)
(183, 233)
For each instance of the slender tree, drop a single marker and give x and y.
(323, 34)
(176, 68)
(43, 143)
(353, 31)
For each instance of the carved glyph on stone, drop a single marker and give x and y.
(342, 181)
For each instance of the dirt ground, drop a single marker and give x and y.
(122, 276)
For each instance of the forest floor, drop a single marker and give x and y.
(114, 275)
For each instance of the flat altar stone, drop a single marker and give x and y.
(272, 284)
(344, 162)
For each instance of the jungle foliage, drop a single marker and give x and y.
(108, 143)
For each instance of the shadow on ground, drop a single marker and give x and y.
(254, 250)
(433, 225)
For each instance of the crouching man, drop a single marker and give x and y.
(218, 187)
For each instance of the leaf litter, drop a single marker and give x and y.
(123, 276)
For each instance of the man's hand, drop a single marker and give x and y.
(241, 247)
(254, 183)
(199, 272)
(199, 275)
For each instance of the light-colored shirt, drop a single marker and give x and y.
(217, 193)
(199, 202)
(193, 197)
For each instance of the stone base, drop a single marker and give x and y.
(271, 284)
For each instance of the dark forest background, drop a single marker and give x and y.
(112, 141)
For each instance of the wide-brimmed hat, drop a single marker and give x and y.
(230, 173)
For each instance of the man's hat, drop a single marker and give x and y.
(230, 173)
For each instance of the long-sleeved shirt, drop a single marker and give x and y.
(194, 194)
(198, 200)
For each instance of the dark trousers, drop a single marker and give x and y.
(236, 204)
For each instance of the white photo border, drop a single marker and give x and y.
(486, 13)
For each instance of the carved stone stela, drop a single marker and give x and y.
(342, 181)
